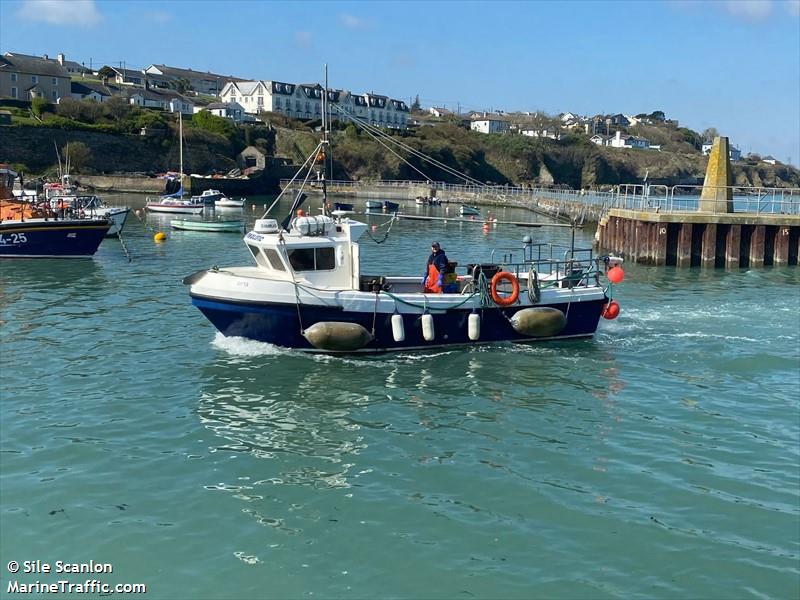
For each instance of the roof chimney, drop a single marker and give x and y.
(61, 59)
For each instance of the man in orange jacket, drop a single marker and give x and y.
(437, 263)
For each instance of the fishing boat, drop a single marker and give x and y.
(210, 226)
(306, 290)
(390, 207)
(37, 231)
(343, 206)
(173, 201)
(465, 210)
(374, 205)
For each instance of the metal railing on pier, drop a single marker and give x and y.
(640, 197)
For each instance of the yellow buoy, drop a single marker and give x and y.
(159, 236)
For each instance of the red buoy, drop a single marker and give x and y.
(615, 275)
(611, 310)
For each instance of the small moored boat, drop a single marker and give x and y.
(208, 197)
(210, 226)
(374, 205)
(226, 202)
(465, 210)
(390, 207)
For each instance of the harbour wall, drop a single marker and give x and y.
(693, 239)
(561, 209)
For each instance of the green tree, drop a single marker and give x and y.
(219, 125)
(117, 108)
(710, 133)
(416, 105)
(38, 106)
(78, 155)
(183, 85)
(106, 72)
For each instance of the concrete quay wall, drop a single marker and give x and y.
(119, 183)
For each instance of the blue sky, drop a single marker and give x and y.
(733, 65)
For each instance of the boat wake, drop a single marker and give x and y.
(239, 346)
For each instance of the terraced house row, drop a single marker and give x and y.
(304, 101)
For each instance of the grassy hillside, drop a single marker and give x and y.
(521, 160)
(114, 136)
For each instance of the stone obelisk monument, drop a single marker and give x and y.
(717, 196)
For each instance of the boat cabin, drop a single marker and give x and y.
(318, 250)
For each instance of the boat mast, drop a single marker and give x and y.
(325, 206)
(180, 150)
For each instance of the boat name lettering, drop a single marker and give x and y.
(243, 283)
(13, 239)
(254, 236)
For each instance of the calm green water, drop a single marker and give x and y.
(659, 460)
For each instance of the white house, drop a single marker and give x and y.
(769, 160)
(628, 141)
(91, 91)
(128, 77)
(600, 139)
(439, 112)
(550, 133)
(489, 125)
(228, 110)
(203, 82)
(304, 101)
(168, 101)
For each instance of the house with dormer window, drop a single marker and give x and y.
(304, 101)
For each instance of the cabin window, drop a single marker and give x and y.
(274, 259)
(312, 259)
(260, 260)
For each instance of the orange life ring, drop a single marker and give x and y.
(504, 300)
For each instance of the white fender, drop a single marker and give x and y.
(427, 327)
(474, 326)
(398, 331)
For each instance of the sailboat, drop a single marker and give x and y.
(306, 290)
(174, 202)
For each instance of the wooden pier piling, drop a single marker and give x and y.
(691, 240)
